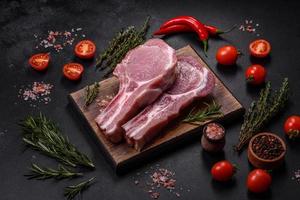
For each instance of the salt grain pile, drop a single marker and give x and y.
(296, 175)
(57, 40)
(36, 92)
(157, 179)
(250, 27)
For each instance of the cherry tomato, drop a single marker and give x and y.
(39, 61)
(292, 126)
(73, 71)
(227, 55)
(222, 171)
(259, 181)
(85, 49)
(260, 48)
(256, 74)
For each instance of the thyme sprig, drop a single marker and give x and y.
(212, 111)
(91, 92)
(43, 135)
(124, 41)
(73, 190)
(261, 111)
(41, 173)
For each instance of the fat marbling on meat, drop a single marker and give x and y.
(144, 74)
(193, 81)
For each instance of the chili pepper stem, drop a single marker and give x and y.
(205, 46)
(219, 32)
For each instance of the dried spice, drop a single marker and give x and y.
(3, 132)
(213, 137)
(250, 27)
(214, 131)
(296, 175)
(156, 180)
(267, 147)
(163, 177)
(104, 102)
(57, 40)
(36, 92)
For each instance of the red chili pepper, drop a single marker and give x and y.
(173, 29)
(192, 23)
(212, 30)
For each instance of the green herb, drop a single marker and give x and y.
(73, 190)
(91, 93)
(114, 44)
(41, 173)
(43, 135)
(124, 41)
(212, 111)
(261, 112)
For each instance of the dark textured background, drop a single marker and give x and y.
(100, 20)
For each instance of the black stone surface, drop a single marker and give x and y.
(100, 20)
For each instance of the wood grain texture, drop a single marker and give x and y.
(122, 154)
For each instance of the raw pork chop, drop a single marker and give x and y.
(144, 74)
(193, 81)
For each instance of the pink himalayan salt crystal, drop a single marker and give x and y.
(38, 91)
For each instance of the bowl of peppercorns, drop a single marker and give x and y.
(266, 151)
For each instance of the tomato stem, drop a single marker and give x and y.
(294, 134)
(250, 78)
(205, 46)
(240, 53)
(269, 171)
(235, 168)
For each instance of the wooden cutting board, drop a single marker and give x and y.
(122, 155)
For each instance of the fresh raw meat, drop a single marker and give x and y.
(193, 81)
(144, 74)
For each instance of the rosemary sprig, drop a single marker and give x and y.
(91, 93)
(73, 190)
(124, 41)
(42, 173)
(43, 135)
(212, 111)
(261, 111)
